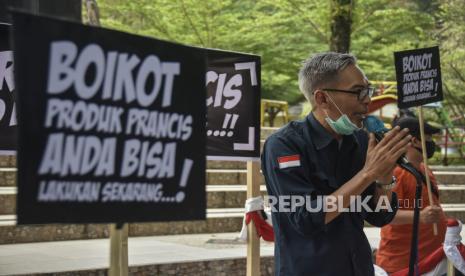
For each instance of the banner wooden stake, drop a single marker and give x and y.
(124, 250)
(253, 241)
(450, 268)
(118, 250)
(425, 163)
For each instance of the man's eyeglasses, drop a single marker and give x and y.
(362, 93)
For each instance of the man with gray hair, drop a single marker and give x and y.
(327, 159)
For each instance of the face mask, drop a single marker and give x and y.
(343, 125)
(430, 149)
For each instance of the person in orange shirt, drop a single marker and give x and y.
(394, 250)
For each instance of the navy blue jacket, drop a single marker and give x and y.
(304, 244)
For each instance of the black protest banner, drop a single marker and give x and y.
(418, 74)
(233, 106)
(8, 123)
(111, 125)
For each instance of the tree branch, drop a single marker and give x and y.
(378, 38)
(457, 72)
(457, 102)
(186, 14)
(315, 27)
(207, 26)
(365, 19)
(160, 27)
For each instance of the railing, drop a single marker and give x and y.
(452, 143)
(272, 108)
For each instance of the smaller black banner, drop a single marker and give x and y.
(418, 74)
(233, 106)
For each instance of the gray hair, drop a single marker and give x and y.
(322, 68)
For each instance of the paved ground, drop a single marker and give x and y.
(92, 254)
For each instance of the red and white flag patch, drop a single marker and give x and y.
(289, 161)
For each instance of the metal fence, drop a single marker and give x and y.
(452, 144)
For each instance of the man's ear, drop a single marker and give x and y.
(321, 99)
(416, 142)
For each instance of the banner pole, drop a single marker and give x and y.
(450, 268)
(118, 250)
(425, 163)
(124, 250)
(253, 241)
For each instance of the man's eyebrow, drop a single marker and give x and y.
(359, 86)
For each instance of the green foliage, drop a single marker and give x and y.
(382, 27)
(451, 36)
(285, 32)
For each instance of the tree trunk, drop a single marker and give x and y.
(93, 14)
(341, 25)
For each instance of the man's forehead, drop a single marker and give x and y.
(361, 71)
(353, 77)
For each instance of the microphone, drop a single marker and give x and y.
(376, 126)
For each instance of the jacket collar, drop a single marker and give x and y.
(321, 137)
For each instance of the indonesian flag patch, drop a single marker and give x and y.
(289, 161)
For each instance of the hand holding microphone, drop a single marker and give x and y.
(374, 125)
(385, 148)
